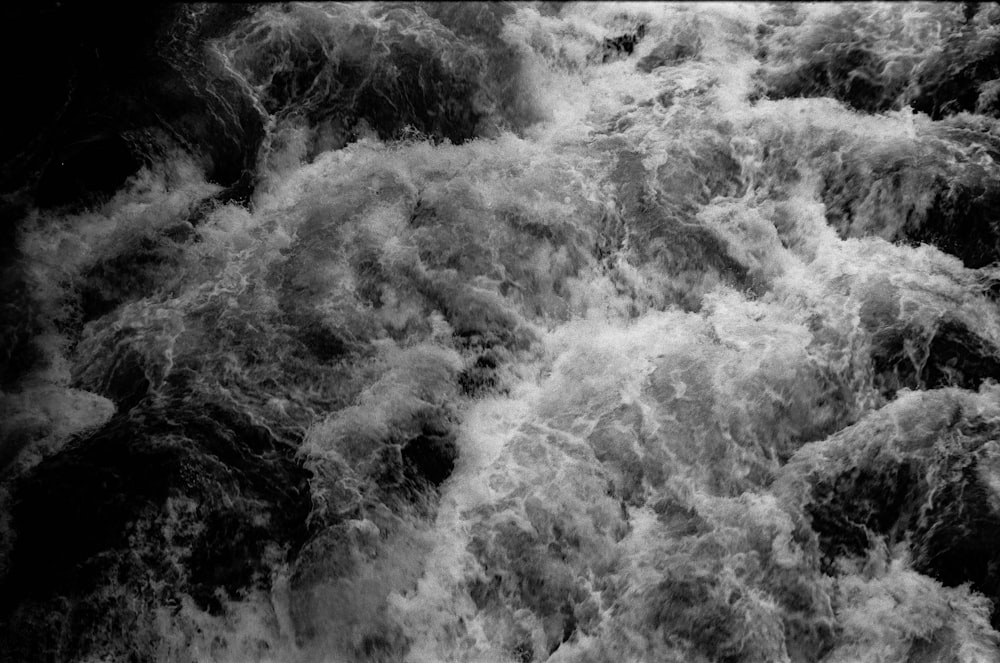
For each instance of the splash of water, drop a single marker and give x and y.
(550, 332)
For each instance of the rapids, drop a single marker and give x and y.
(513, 332)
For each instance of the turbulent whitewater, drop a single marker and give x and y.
(517, 332)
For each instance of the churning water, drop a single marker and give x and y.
(508, 333)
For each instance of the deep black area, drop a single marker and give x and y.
(958, 538)
(93, 521)
(430, 456)
(848, 509)
(846, 77)
(127, 382)
(951, 80)
(87, 168)
(937, 499)
(64, 51)
(953, 355)
(99, 89)
(429, 98)
(414, 468)
(623, 44)
(964, 220)
(961, 220)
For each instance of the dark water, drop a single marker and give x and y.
(502, 333)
